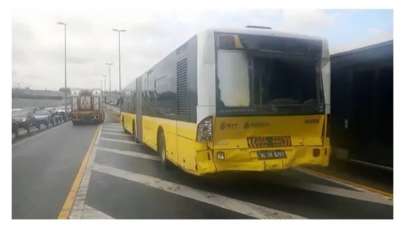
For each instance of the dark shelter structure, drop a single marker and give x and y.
(362, 105)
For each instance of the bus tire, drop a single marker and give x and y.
(123, 125)
(162, 149)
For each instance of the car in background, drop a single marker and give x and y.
(61, 111)
(21, 119)
(42, 116)
(61, 114)
(56, 116)
(53, 120)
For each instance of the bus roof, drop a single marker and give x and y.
(251, 31)
(263, 32)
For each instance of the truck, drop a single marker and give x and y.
(87, 106)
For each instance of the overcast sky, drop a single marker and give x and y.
(38, 52)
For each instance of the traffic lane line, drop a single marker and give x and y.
(44, 169)
(360, 187)
(92, 213)
(125, 199)
(112, 128)
(356, 195)
(141, 167)
(121, 137)
(270, 190)
(331, 190)
(118, 140)
(121, 146)
(79, 207)
(242, 207)
(113, 133)
(70, 198)
(129, 153)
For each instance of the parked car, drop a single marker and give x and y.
(56, 118)
(21, 119)
(42, 116)
(61, 115)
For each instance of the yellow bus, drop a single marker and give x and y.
(235, 100)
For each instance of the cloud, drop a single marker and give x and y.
(374, 36)
(38, 45)
(306, 21)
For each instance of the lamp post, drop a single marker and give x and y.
(104, 81)
(64, 26)
(104, 86)
(119, 54)
(109, 75)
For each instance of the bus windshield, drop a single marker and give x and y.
(254, 77)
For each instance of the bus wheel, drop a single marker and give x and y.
(123, 125)
(162, 149)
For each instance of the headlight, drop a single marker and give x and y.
(204, 130)
(23, 119)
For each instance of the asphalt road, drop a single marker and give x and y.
(126, 180)
(43, 168)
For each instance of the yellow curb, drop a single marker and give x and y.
(70, 198)
(368, 188)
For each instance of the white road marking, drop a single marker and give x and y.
(113, 133)
(112, 124)
(89, 212)
(130, 153)
(92, 213)
(364, 196)
(114, 129)
(119, 140)
(225, 202)
(373, 194)
(328, 179)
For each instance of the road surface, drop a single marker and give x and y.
(123, 179)
(44, 166)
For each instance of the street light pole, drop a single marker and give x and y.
(119, 54)
(104, 86)
(109, 75)
(104, 81)
(64, 26)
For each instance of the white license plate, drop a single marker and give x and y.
(274, 154)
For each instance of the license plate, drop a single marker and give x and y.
(274, 154)
(269, 141)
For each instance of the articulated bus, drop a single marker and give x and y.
(235, 100)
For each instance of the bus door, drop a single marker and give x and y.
(139, 109)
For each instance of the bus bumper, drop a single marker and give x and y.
(248, 160)
(87, 116)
